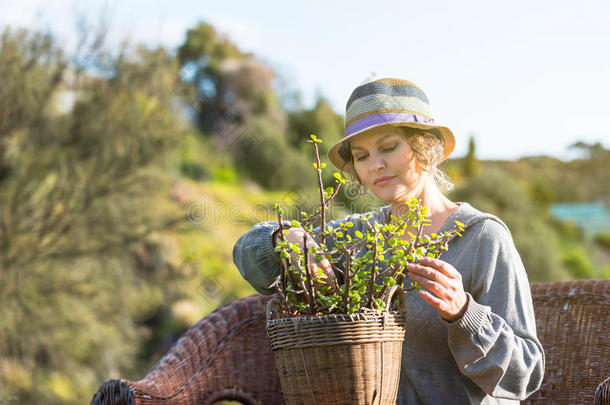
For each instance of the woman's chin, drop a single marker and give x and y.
(388, 196)
(394, 196)
(391, 193)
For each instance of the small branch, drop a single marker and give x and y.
(282, 271)
(312, 297)
(346, 283)
(416, 243)
(373, 274)
(319, 210)
(293, 280)
(337, 269)
(322, 200)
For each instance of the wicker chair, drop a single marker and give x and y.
(572, 321)
(226, 356)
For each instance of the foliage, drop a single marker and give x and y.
(100, 271)
(82, 154)
(321, 120)
(201, 57)
(603, 240)
(496, 192)
(593, 169)
(261, 150)
(584, 179)
(471, 164)
(235, 103)
(575, 258)
(374, 260)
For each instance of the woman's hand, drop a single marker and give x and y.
(445, 282)
(295, 235)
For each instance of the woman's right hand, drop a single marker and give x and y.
(296, 235)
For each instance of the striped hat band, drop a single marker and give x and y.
(391, 101)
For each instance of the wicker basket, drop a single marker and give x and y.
(339, 359)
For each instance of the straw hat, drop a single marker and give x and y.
(390, 101)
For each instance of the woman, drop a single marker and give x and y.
(471, 332)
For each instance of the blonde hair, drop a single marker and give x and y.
(428, 147)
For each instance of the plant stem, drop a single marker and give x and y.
(319, 210)
(312, 297)
(346, 282)
(283, 271)
(373, 273)
(322, 200)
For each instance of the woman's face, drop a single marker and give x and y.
(386, 164)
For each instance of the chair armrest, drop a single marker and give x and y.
(602, 393)
(226, 355)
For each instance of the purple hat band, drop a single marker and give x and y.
(385, 118)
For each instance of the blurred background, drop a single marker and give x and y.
(139, 141)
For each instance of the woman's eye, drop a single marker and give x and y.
(361, 158)
(389, 148)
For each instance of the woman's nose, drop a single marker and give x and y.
(377, 162)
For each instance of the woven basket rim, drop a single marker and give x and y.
(335, 318)
(395, 292)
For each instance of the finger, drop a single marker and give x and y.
(427, 272)
(435, 287)
(431, 299)
(440, 265)
(330, 279)
(324, 265)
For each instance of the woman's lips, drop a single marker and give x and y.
(380, 181)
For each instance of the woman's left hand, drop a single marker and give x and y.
(445, 282)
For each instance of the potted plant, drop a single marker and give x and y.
(343, 344)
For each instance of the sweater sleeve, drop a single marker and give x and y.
(255, 256)
(495, 342)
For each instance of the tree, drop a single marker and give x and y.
(593, 171)
(498, 193)
(77, 193)
(321, 120)
(235, 103)
(471, 164)
(202, 60)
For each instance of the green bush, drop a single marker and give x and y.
(603, 240)
(575, 259)
(496, 192)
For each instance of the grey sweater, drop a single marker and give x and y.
(489, 356)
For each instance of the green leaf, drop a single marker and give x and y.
(296, 223)
(359, 234)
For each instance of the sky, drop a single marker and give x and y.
(523, 78)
